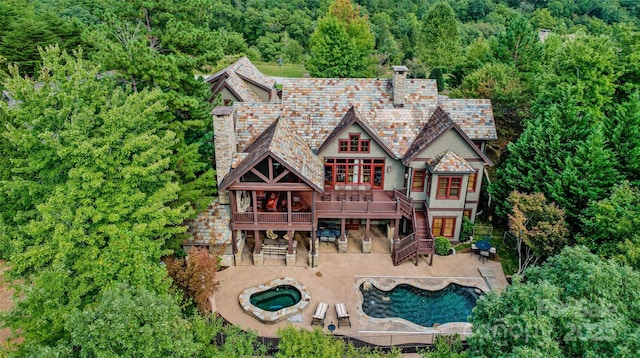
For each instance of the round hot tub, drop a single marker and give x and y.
(276, 300)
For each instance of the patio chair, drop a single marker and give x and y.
(320, 314)
(474, 249)
(492, 252)
(484, 255)
(343, 315)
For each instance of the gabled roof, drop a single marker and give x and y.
(474, 116)
(439, 123)
(235, 78)
(351, 117)
(280, 141)
(449, 162)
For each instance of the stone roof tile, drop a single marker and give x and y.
(449, 162)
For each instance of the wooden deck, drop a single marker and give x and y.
(333, 204)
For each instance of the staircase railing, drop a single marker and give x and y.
(405, 248)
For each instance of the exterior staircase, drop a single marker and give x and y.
(418, 243)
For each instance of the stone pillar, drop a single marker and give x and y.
(342, 241)
(291, 260)
(258, 259)
(366, 243)
(313, 257)
(224, 139)
(240, 241)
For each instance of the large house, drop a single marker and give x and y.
(330, 155)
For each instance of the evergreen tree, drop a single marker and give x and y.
(588, 175)
(92, 199)
(611, 226)
(440, 38)
(342, 45)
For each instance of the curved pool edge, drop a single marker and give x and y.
(271, 317)
(424, 283)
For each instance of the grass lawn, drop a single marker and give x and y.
(286, 70)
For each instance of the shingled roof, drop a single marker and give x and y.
(439, 122)
(235, 78)
(282, 142)
(449, 162)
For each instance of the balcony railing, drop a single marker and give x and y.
(270, 217)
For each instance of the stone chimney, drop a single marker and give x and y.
(224, 139)
(399, 85)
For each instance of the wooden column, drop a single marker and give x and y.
(289, 207)
(342, 229)
(234, 246)
(256, 238)
(396, 230)
(255, 206)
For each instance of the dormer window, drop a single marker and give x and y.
(354, 144)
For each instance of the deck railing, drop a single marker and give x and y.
(358, 206)
(270, 217)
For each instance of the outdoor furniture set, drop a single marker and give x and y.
(321, 313)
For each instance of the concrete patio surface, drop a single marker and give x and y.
(335, 279)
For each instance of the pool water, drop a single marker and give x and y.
(276, 298)
(425, 308)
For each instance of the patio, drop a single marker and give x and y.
(334, 281)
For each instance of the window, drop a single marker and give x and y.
(354, 144)
(471, 186)
(443, 227)
(353, 171)
(417, 184)
(467, 213)
(449, 188)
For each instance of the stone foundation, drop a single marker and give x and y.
(342, 246)
(366, 246)
(291, 259)
(258, 259)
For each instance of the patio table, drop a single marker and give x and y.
(483, 245)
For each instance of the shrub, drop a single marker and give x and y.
(467, 229)
(443, 246)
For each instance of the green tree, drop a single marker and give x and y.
(588, 175)
(131, 321)
(440, 44)
(575, 305)
(539, 155)
(158, 45)
(342, 45)
(611, 226)
(24, 29)
(303, 343)
(539, 228)
(92, 199)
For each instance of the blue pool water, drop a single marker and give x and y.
(425, 308)
(276, 298)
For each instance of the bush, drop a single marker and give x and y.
(467, 229)
(443, 246)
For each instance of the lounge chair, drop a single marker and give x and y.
(343, 315)
(320, 314)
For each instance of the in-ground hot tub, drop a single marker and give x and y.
(275, 300)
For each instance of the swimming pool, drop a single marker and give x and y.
(426, 308)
